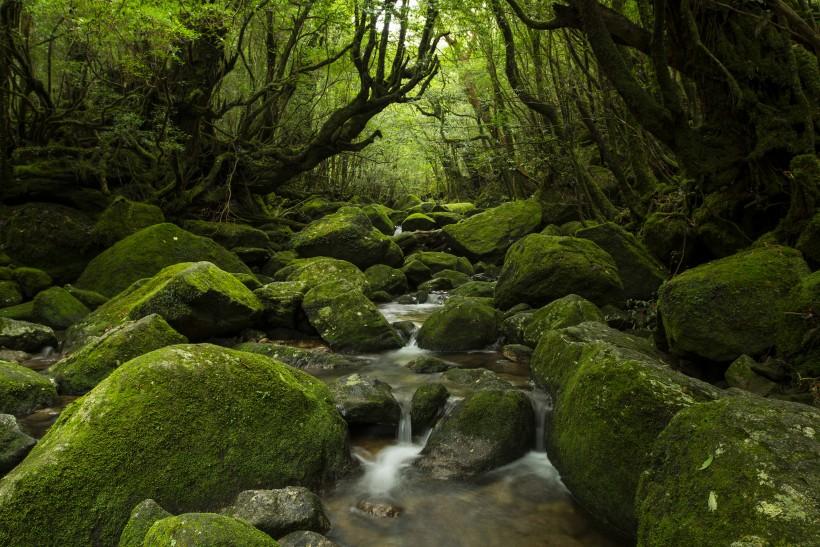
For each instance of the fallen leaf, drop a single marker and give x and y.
(707, 463)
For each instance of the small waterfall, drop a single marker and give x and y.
(405, 424)
(398, 230)
(541, 405)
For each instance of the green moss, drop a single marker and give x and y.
(347, 320)
(23, 390)
(567, 311)
(728, 307)
(809, 241)
(302, 358)
(540, 268)
(488, 235)
(282, 303)
(427, 405)
(189, 426)
(365, 401)
(407, 201)
(462, 324)
(85, 368)
(205, 530)
(314, 271)
(461, 208)
(229, 234)
(798, 331)
(384, 278)
(669, 237)
(148, 251)
(278, 261)
(124, 217)
(24, 336)
(379, 216)
(58, 309)
(21, 312)
(32, 280)
(197, 299)
(144, 515)
(484, 289)
(416, 272)
(317, 207)
(91, 299)
(445, 219)
(10, 294)
(14, 444)
(418, 221)
(738, 471)
(437, 261)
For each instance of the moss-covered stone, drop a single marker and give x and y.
(639, 271)
(345, 319)
(205, 530)
(809, 241)
(798, 331)
(611, 402)
(742, 375)
(488, 235)
(416, 272)
(143, 516)
(417, 222)
(728, 307)
(482, 289)
(277, 261)
(80, 371)
(91, 299)
(738, 471)
(58, 309)
(407, 201)
(567, 311)
(460, 325)
(669, 237)
(317, 207)
(10, 294)
(445, 218)
(124, 217)
(486, 430)
(189, 426)
(14, 444)
(23, 390)
(348, 235)
(148, 251)
(32, 280)
(365, 401)
(539, 268)
(315, 271)
(379, 216)
(427, 406)
(437, 261)
(461, 208)
(467, 380)
(280, 511)
(197, 299)
(384, 278)
(513, 325)
(282, 303)
(51, 237)
(310, 360)
(455, 278)
(20, 312)
(25, 336)
(427, 364)
(229, 234)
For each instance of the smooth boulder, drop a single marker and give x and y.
(58, 308)
(124, 217)
(564, 312)
(281, 511)
(462, 324)
(365, 401)
(25, 336)
(382, 277)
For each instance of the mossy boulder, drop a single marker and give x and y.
(488, 235)
(80, 371)
(317, 207)
(513, 325)
(460, 325)
(379, 216)
(189, 426)
(14, 444)
(809, 241)
(365, 401)
(282, 303)
(348, 235)
(25, 336)
(738, 471)
(670, 237)
(277, 261)
(611, 400)
(461, 208)
(315, 271)
(20, 312)
(407, 201)
(148, 251)
(197, 299)
(416, 272)
(32, 280)
(539, 269)
(50, 237)
(347, 320)
(384, 278)
(280, 511)
(205, 530)
(564, 312)
(486, 430)
(798, 331)
(91, 299)
(57, 308)
(10, 294)
(427, 405)
(454, 277)
(417, 222)
(229, 234)
(23, 390)
(467, 380)
(427, 364)
(728, 307)
(742, 375)
(124, 217)
(437, 261)
(444, 218)
(481, 289)
(639, 271)
(143, 516)
(310, 360)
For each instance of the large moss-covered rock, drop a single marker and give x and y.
(51, 237)
(640, 273)
(384, 278)
(317, 207)
(93, 362)
(148, 251)
(197, 299)
(315, 271)
(486, 430)
(22, 390)
(798, 332)
(427, 405)
(669, 237)
(10, 294)
(124, 217)
(728, 307)
(57, 308)
(612, 399)
(738, 471)
(488, 235)
(205, 530)
(437, 261)
(480, 289)
(809, 241)
(418, 221)
(540, 268)
(32, 280)
(282, 303)
(189, 426)
(310, 360)
(25, 336)
(348, 235)
(347, 320)
(230, 234)
(462, 324)
(143, 516)
(564, 312)
(14, 444)
(91, 299)
(379, 216)
(365, 401)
